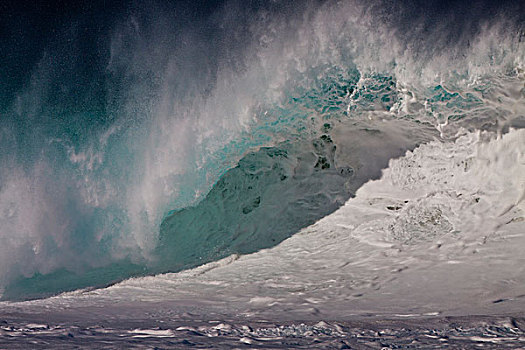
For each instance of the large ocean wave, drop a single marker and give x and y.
(188, 137)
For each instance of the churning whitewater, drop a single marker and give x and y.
(295, 161)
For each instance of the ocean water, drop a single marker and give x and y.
(268, 174)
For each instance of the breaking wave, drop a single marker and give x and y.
(188, 137)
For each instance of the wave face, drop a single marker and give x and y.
(151, 137)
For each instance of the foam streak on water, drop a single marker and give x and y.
(501, 333)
